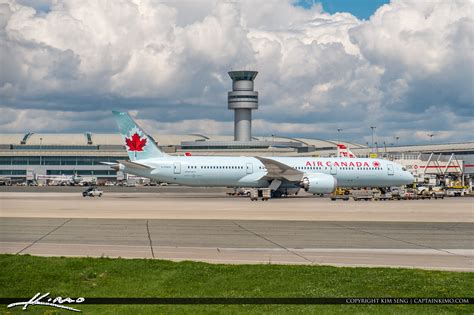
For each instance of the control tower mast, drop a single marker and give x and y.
(242, 99)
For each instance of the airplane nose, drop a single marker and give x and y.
(409, 176)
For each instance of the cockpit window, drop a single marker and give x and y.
(404, 169)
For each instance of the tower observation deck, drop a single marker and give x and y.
(242, 99)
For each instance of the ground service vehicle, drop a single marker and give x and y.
(362, 194)
(340, 193)
(92, 192)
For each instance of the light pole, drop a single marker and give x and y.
(396, 140)
(373, 128)
(431, 137)
(41, 143)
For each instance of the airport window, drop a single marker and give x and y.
(243, 96)
(33, 160)
(51, 161)
(5, 160)
(20, 162)
(12, 172)
(84, 172)
(59, 172)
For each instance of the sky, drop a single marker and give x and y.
(405, 66)
(362, 9)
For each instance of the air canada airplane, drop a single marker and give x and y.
(343, 151)
(283, 175)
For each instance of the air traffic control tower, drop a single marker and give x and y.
(242, 99)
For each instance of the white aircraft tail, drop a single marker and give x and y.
(343, 151)
(138, 144)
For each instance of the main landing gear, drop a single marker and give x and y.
(263, 193)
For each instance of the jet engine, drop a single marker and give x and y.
(319, 183)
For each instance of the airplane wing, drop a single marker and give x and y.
(280, 171)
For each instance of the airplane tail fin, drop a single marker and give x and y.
(138, 144)
(343, 151)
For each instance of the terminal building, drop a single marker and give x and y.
(25, 156)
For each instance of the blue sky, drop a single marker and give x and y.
(362, 9)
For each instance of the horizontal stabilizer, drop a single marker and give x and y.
(135, 165)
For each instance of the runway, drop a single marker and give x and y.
(64, 225)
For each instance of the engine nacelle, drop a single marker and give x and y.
(319, 183)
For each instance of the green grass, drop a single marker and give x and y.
(23, 276)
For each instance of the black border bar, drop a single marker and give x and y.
(257, 301)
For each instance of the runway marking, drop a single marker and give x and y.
(274, 243)
(47, 234)
(149, 239)
(398, 240)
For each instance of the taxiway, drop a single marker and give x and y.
(432, 234)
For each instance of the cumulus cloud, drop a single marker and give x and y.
(408, 69)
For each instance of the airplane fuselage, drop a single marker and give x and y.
(250, 172)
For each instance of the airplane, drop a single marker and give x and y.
(283, 175)
(343, 151)
(61, 180)
(67, 180)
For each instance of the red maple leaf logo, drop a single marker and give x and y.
(135, 143)
(376, 164)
